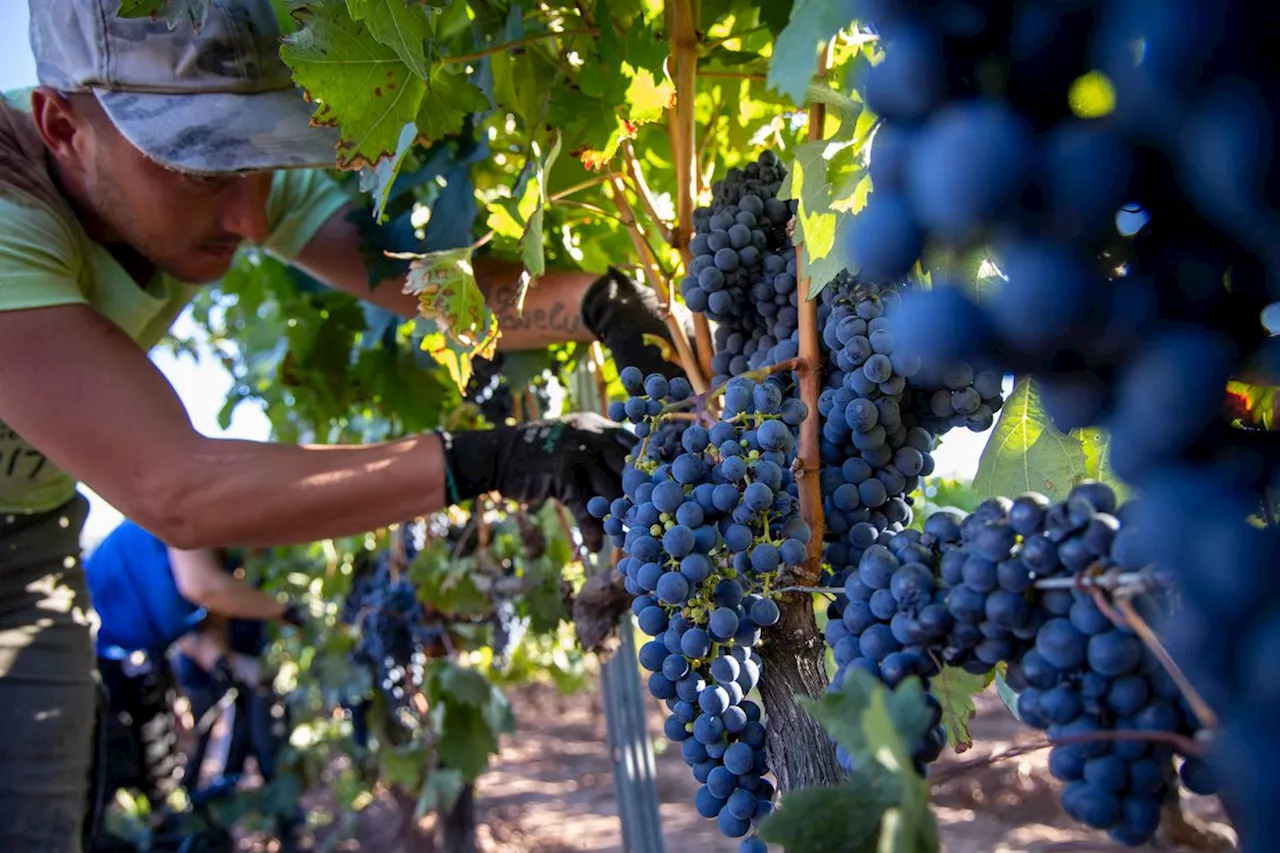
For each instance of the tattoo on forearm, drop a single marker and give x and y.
(557, 317)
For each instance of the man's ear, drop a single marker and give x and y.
(65, 123)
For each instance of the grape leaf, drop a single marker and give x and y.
(955, 689)
(795, 54)
(843, 715)
(1253, 405)
(647, 99)
(1007, 694)
(820, 232)
(172, 12)
(889, 722)
(365, 88)
(466, 740)
(402, 765)
(378, 180)
(533, 253)
(460, 684)
(440, 791)
(403, 27)
(448, 295)
(882, 727)
(450, 584)
(1097, 442)
(839, 819)
(447, 102)
(1026, 453)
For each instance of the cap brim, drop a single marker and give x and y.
(218, 133)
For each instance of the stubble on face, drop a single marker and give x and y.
(153, 216)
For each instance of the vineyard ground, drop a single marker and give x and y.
(550, 791)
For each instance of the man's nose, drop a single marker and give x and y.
(244, 211)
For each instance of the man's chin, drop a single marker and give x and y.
(202, 266)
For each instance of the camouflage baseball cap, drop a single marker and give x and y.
(217, 100)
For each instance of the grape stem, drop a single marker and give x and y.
(642, 190)
(816, 590)
(580, 549)
(808, 453)
(682, 27)
(758, 375)
(657, 280)
(1208, 719)
(1183, 744)
(1135, 581)
(1122, 580)
(507, 46)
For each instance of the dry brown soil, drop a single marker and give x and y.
(550, 792)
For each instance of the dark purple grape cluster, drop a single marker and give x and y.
(707, 529)
(986, 139)
(986, 588)
(743, 273)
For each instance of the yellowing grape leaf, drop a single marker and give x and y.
(647, 99)
(448, 295)
(449, 354)
(1253, 405)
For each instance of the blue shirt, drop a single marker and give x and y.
(132, 587)
(133, 590)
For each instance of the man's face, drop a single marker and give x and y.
(188, 226)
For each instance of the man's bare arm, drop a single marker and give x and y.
(76, 387)
(552, 309)
(202, 581)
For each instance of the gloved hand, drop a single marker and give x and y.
(619, 312)
(570, 459)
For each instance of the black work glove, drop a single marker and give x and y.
(619, 312)
(571, 459)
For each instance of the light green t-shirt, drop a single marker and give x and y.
(47, 259)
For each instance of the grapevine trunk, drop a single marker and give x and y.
(800, 752)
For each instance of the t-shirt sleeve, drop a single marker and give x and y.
(39, 261)
(301, 200)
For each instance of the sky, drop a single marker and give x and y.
(202, 385)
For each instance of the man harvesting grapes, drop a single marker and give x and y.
(151, 599)
(129, 178)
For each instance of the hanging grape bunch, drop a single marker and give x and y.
(1010, 583)
(743, 274)
(707, 535)
(394, 636)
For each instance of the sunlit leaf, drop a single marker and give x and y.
(795, 54)
(366, 89)
(1026, 453)
(403, 27)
